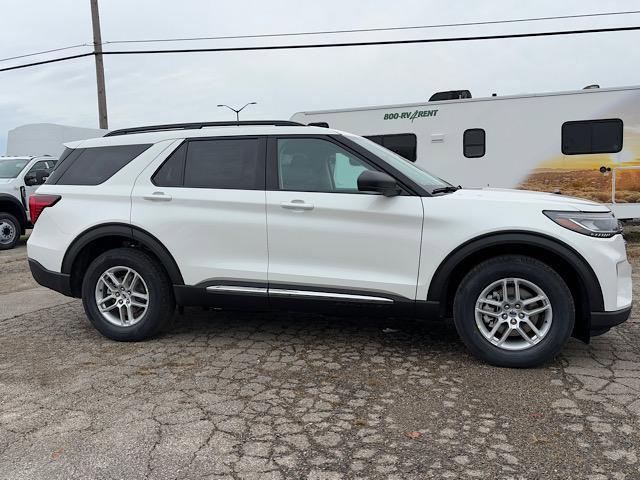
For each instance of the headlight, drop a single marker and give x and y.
(602, 225)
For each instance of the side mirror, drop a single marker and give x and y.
(36, 178)
(370, 181)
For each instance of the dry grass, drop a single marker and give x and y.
(589, 184)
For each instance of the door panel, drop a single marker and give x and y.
(216, 235)
(326, 236)
(347, 241)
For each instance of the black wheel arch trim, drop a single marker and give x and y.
(438, 286)
(136, 234)
(22, 214)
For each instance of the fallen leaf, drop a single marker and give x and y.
(56, 454)
(413, 434)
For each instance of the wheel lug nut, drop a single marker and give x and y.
(120, 302)
(504, 315)
(517, 305)
(506, 305)
(521, 315)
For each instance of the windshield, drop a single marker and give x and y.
(11, 167)
(422, 178)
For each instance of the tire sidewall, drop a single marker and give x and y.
(7, 217)
(551, 284)
(149, 324)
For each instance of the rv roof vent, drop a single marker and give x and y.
(589, 87)
(450, 95)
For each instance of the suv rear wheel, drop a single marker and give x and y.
(127, 295)
(9, 231)
(514, 311)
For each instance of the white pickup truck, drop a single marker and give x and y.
(19, 178)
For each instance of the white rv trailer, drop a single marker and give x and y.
(583, 143)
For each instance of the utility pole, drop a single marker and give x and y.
(97, 53)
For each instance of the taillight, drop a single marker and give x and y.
(38, 202)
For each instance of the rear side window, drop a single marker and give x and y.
(236, 163)
(592, 136)
(92, 166)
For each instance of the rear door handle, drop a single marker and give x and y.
(297, 205)
(157, 197)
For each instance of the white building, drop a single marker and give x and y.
(46, 138)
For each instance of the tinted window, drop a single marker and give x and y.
(171, 173)
(404, 144)
(315, 165)
(592, 136)
(92, 166)
(473, 143)
(42, 165)
(227, 163)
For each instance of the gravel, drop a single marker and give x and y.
(288, 396)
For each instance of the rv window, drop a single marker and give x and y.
(473, 143)
(592, 136)
(404, 144)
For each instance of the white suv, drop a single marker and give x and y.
(279, 215)
(19, 178)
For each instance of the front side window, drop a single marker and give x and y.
(45, 165)
(474, 143)
(10, 168)
(316, 165)
(236, 163)
(592, 136)
(421, 177)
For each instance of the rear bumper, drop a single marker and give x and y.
(603, 321)
(60, 282)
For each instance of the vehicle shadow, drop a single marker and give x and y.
(313, 329)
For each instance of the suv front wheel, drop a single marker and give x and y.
(127, 295)
(514, 311)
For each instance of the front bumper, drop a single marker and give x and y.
(601, 322)
(60, 282)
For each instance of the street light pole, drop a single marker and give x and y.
(97, 52)
(237, 111)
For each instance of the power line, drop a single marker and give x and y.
(367, 30)
(372, 43)
(44, 62)
(334, 45)
(331, 32)
(44, 51)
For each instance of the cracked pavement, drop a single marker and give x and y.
(289, 396)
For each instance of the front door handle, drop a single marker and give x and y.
(297, 205)
(157, 197)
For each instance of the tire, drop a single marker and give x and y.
(484, 283)
(121, 323)
(10, 230)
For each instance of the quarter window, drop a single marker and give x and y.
(316, 165)
(404, 144)
(92, 166)
(225, 163)
(592, 136)
(473, 143)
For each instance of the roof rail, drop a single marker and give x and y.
(198, 125)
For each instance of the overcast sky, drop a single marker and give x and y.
(187, 87)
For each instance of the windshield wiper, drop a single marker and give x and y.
(447, 189)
